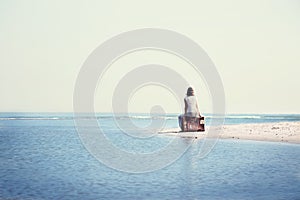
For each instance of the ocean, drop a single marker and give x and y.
(43, 157)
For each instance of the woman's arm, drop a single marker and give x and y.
(198, 109)
(185, 106)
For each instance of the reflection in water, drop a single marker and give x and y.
(188, 167)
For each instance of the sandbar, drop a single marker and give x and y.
(274, 132)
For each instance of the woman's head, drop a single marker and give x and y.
(190, 91)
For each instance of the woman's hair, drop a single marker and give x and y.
(190, 92)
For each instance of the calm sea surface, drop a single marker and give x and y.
(42, 157)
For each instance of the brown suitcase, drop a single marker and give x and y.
(191, 124)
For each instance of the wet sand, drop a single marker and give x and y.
(274, 132)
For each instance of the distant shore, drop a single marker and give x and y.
(274, 132)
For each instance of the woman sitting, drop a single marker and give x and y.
(191, 106)
(191, 109)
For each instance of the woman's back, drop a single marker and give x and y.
(191, 103)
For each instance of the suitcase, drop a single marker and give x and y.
(191, 124)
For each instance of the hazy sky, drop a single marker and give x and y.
(255, 46)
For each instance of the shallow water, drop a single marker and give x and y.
(45, 159)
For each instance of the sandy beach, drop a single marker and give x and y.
(273, 132)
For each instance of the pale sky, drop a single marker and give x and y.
(255, 46)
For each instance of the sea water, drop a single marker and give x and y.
(42, 157)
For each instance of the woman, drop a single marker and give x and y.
(190, 106)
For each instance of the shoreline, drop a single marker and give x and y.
(288, 132)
